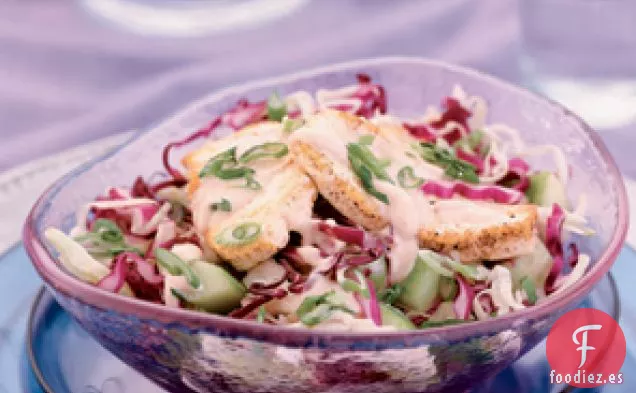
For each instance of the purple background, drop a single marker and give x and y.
(67, 78)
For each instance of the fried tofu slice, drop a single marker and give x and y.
(480, 231)
(494, 231)
(264, 215)
(288, 200)
(327, 164)
(252, 135)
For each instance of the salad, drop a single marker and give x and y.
(324, 211)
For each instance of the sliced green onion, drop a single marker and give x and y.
(235, 173)
(391, 294)
(179, 295)
(448, 288)
(176, 266)
(242, 234)
(366, 156)
(531, 290)
(276, 108)
(453, 167)
(352, 286)
(359, 159)
(407, 178)
(223, 205)
(107, 230)
(446, 322)
(252, 184)
(446, 266)
(310, 302)
(260, 318)
(470, 141)
(216, 163)
(316, 309)
(269, 149)
(291, 125)
(106, 240)
(318, 314)
(225, 166)
(366, 139)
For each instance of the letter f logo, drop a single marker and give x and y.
(583, 345)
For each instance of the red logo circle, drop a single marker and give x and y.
(586, 348)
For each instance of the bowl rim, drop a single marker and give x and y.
(61, 281)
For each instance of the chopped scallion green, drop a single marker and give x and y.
(530, 289)
(407, 178)
(223, 205)
(176, 266)
(242, 234)
(276, 108)
(269, 149)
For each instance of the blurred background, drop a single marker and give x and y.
(74, 72)
(77, 75)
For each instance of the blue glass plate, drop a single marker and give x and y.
(59, 356)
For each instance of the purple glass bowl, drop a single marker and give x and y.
(189, 351)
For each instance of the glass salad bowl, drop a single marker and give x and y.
(184, 350)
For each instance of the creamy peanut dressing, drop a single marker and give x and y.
(328, 133)
(213, 190)
(405, 225)
(407, 210)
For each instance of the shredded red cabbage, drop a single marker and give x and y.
(446, 190)
(116, 279)
(245, 113)
(517, 176)
(453, 111)
(268, 290)
(297, 280)
(141, 276)
(418, 319)
(421, 132)
(372, 97)
(204, 132)
(349, 235)
(573, 258)
(374, 306)
(140, 189)
(464, 300)
(250, 307)
(471, 158)
(553, 229)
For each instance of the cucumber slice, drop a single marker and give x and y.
(545, 189)
(219, 291)
(535, 266)
(421, 288)
(391, 316)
